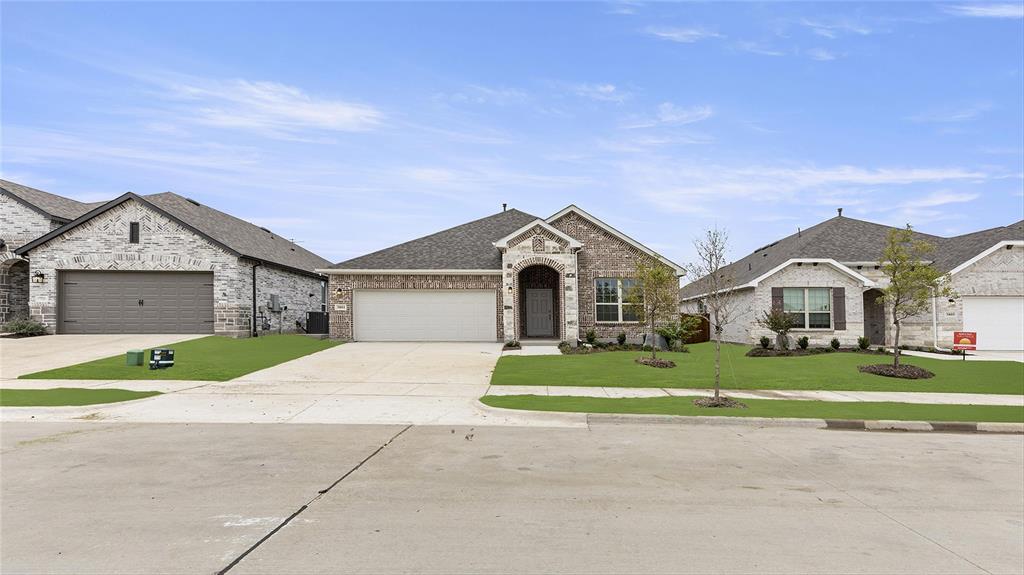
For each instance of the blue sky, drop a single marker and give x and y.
(351, 127)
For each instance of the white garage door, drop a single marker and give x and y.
(999, 321)
(436, 315)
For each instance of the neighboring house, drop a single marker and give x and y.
(510, 276)
(26, 214)
(159, 263)
(828, 277)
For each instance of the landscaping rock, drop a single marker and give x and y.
(903, 371)
(663, 363)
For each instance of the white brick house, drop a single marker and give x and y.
(163, 263)
(510, 276)
(828, 277)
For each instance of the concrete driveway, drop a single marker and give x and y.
(32, 354)
(355, 383)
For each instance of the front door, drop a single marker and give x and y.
(874, 318)
(539, 321)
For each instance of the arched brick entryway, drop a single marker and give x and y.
(13, 289)
(539, 283)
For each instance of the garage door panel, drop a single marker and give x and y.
(108, 302)
(999, 321)
(438, 315)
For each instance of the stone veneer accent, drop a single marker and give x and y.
(341, 287)
(165, 245)
(538, 246)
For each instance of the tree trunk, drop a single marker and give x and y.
(896, 345)
(718, 362)
(654, 340)
(782, 341)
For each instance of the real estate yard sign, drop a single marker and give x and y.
(965, 340)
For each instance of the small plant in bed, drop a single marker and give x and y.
(765, 342)
(663, 363)
(512, 345)
(902, 371)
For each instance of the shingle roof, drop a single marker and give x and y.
(465, 247)
(239, 235)
(52, 205)
(847, 239)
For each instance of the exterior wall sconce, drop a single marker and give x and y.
(38, 278)
(509, 289)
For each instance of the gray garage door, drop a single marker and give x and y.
(136, 302)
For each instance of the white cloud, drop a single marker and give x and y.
(479, 94)
(952, 115)
(601, 92)
(1014, 11)
(833, 28)
(678, 186)
(270, 107)
(755, 48)
(940, 198)
(820, 54)
(682, 35)
(669, 113)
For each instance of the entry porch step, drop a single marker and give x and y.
(535, 341)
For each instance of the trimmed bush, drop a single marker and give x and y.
(765, 341)
(834, 344)
(621, 338)
(24, 327)
(591, 336)
(803, 342)
(863, 342)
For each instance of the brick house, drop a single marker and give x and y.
(509, 276)
(159, 263)
(828, 278)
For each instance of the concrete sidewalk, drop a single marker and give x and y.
(807, 395)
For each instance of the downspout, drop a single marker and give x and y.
(252, 322)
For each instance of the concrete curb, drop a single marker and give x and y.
(840, 424)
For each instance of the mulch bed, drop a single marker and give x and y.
(772, 352)
(904, 371)
(722, 401)
(655, 362)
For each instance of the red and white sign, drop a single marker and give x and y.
(965, 340)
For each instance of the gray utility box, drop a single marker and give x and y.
(134, 357)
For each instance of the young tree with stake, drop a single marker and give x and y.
(719, 298)
(913, 281)
(654, 297)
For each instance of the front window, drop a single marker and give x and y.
(610, 296)
(809, 308)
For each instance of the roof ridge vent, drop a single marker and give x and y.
(193, 202)
(266, 230)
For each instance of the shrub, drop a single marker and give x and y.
(591, 336)
(880, 349)
(863, 343)
(512, 345)
(765, 341)
(834, 344)
(24, 326)
(621, 338)
(646, 348)
(779, 323)
(564, 347)
(803, 342)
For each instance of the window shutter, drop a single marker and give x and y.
(839, 308)
(776, 299)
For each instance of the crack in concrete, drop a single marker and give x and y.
(316, 498)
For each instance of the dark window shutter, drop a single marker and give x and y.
(839, 308)
(776, 299)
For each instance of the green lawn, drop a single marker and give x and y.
(763, 408)
(832, 371)
(211, 358)
(67, 396)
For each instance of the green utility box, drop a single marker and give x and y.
(134, 357)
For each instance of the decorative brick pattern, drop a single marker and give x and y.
(602, 255)
(544, 273)
(341, 287)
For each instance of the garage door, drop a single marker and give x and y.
(439, 315)
(999, 321)
(135, 302)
